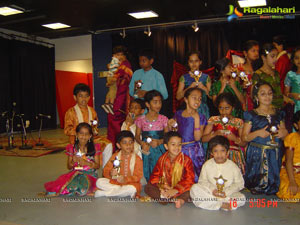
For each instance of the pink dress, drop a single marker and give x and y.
(76, 182)
(154, 130)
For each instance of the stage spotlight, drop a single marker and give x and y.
(195, 27)
(123, 34)
(148, 32)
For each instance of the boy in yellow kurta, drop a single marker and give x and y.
(289, 189)
(79, 113)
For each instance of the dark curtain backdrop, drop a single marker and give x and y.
(212, 40)
(27, 78)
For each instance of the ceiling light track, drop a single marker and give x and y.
(31, 39)
(182, 23)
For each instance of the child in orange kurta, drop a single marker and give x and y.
(289, 189)
(123, 180)
(173, 174)
(81, 112)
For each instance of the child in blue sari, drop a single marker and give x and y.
(152, 127)
(264, 130)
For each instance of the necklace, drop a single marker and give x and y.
(150, 122)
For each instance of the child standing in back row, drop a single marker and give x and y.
(148, 77)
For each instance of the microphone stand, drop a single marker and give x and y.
(10, 135)
(24, 136)
(40, 143)
(2, 115)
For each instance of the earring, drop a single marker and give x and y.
(256, 101)
(89, 140)
(76, 139)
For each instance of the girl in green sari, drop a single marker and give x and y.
(226, 83)
(267, 73)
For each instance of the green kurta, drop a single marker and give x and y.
(260, 75)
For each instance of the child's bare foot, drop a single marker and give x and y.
(145, 199)
(179, 203)
(91, 194)
(46, 194)
(226, 206)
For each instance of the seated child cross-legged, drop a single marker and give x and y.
(289, 174)
(173, 174)
(83, 162)
(123, 172)
(220, 180)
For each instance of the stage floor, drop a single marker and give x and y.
(22, 178)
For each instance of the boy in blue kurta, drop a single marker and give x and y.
(148, 77)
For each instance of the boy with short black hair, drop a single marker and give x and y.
(220, 180)
(81, 112)
(147, 77)
(173, 174)
(123, 172)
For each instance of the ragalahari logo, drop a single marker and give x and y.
(233, 13)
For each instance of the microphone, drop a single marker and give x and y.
(42, 115)
(20, 115)
(4, 113)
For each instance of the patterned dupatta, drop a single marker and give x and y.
(79, 114)
(177, 169)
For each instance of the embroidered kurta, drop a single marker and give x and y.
(131, 178)
(165, 168)
(72, 120)
(132, 128)
(207, 183)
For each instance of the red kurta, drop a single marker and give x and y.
(165, 166)
(283, 66)
(121, 104)
(130, 179)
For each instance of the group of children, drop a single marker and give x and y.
(244, 148)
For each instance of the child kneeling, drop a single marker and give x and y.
(123, 172)
(220, 180)
(173, 174)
